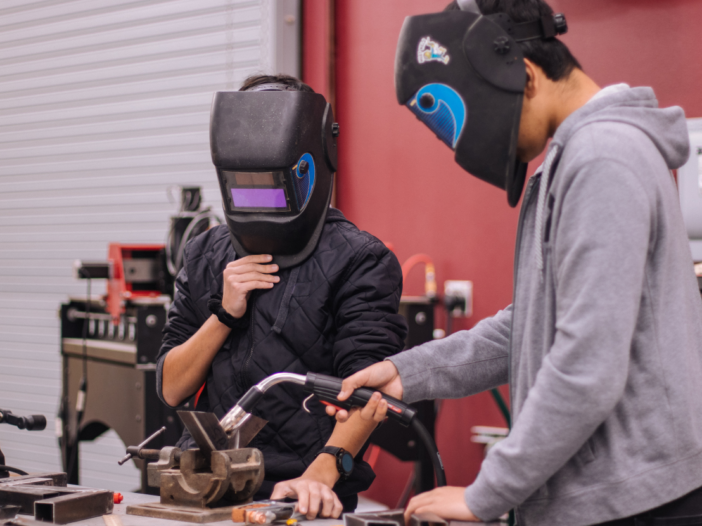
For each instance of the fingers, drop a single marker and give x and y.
(376, 408)
(315, 496)
(282, 490)
(447, 502)
(250, 269)
(323, 502)
(256, 282)
(303, 498)
(252, 264)
(412, 507)
(242, 277)
(420, 503)
(342, 415)
(331, 506)
(234, 280)
(337, 508)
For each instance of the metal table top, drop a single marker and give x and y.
(138, 498)
(364, 506)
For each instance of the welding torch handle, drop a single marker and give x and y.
(327, 388)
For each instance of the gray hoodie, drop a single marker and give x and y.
(602, 346)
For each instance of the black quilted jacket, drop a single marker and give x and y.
(336, 314)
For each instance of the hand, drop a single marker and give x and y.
(447, 502)
(313, 498)
(241, 277)
(382, 376)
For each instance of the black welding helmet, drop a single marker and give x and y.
(462, 74)
(275, 155)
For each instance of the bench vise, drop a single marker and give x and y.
(204, 484)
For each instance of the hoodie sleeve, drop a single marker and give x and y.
(368, 326)
(462, 364)
(600, 251)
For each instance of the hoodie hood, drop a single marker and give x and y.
(666, 127)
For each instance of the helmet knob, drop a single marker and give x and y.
(559, 20)
(502, 45)
(426, 101)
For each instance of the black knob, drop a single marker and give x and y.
(501, 45)
(560, 23)
(426, 101)
(34, 423)
(335, 129)
(303, 167)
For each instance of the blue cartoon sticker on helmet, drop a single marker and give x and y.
(442, 109)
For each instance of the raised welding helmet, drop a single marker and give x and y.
(275, 155)
(462, 74)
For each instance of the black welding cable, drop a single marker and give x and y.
(14, 470)
(433, 451)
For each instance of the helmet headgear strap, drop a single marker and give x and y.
(544, 28)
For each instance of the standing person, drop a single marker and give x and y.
(289, 284)
(602, 345)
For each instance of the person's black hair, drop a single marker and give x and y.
(552, 55)
(257, 80)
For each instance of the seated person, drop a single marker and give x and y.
(239, 316)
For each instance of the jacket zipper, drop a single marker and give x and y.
(527, 201)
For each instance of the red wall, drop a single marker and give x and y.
(399, 182)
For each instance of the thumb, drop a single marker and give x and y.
(353, 382)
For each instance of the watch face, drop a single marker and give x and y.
(347, 462)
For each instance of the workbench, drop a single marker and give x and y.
(364, 506)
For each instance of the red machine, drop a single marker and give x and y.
(138, 271)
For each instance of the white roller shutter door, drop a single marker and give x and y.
(104, 104)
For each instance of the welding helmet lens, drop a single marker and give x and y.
(279, 191)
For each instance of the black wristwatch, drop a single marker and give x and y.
(344, 459)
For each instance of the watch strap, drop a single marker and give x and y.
(214, 304)
(332, 450)
(338, 453)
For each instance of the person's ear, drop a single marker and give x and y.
(533, 81)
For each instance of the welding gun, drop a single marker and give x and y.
(326, 389)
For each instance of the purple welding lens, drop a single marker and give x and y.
(259, 198)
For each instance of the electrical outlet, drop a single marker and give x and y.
(458, 294)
